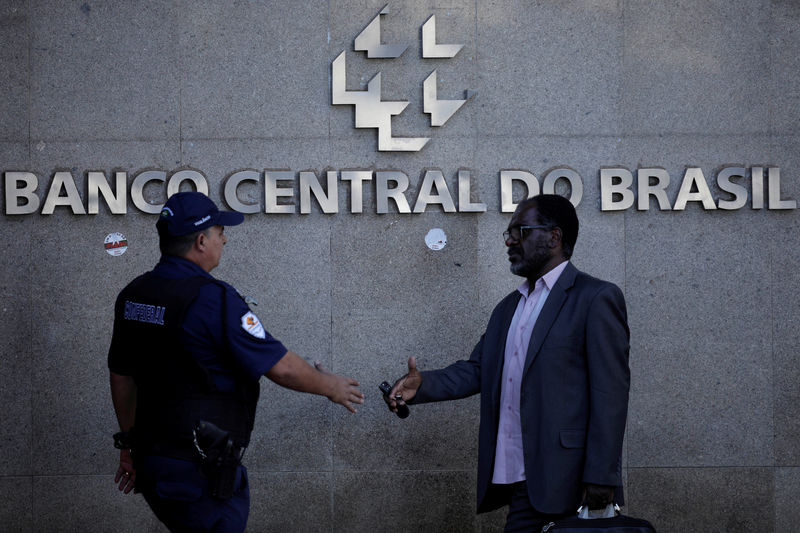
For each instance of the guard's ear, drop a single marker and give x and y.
(200, 241)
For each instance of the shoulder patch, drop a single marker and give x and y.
(252, 325)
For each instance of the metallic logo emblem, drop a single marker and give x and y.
(370, 110)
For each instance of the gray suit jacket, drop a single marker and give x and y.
(574, 398)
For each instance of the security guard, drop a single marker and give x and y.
(185, 360)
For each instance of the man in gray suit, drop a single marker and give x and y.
(552, 371)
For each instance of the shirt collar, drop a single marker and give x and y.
(549, 279)
(172, 266)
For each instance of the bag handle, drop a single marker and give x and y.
(610, 511)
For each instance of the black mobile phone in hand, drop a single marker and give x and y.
(402, 409)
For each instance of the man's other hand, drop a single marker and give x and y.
(598, 496)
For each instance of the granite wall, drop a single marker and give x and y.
(713, 436)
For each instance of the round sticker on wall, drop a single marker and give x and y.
(436, 239)
(116, 244)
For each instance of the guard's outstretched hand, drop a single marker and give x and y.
(405, 388)
(342, 390)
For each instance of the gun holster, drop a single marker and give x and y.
(220, 457)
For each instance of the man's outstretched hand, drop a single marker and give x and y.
(405, 388)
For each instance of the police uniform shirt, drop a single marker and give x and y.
(218, 326)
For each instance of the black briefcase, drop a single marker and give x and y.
(613, 524)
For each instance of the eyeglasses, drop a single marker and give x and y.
(516, 233)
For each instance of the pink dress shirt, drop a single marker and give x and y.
(509, 464)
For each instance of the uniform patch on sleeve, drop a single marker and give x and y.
(252, 325)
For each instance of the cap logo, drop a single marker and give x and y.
(167, 212)
(204, 219)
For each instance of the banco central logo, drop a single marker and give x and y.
(373, 112)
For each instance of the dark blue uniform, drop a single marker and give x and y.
(227, 340)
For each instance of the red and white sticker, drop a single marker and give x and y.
(116, 244)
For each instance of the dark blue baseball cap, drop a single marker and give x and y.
(188, 212)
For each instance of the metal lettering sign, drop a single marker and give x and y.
(291, 192)
(373, 112)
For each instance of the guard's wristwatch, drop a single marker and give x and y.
(122, 440)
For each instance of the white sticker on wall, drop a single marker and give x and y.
(116, 244)
(436, 239)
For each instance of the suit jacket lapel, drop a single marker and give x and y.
(552, 306)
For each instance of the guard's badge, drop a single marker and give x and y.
(252, 325)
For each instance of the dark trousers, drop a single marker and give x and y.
(179, 495)
(522, 517)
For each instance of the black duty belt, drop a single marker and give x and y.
(177, 450)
